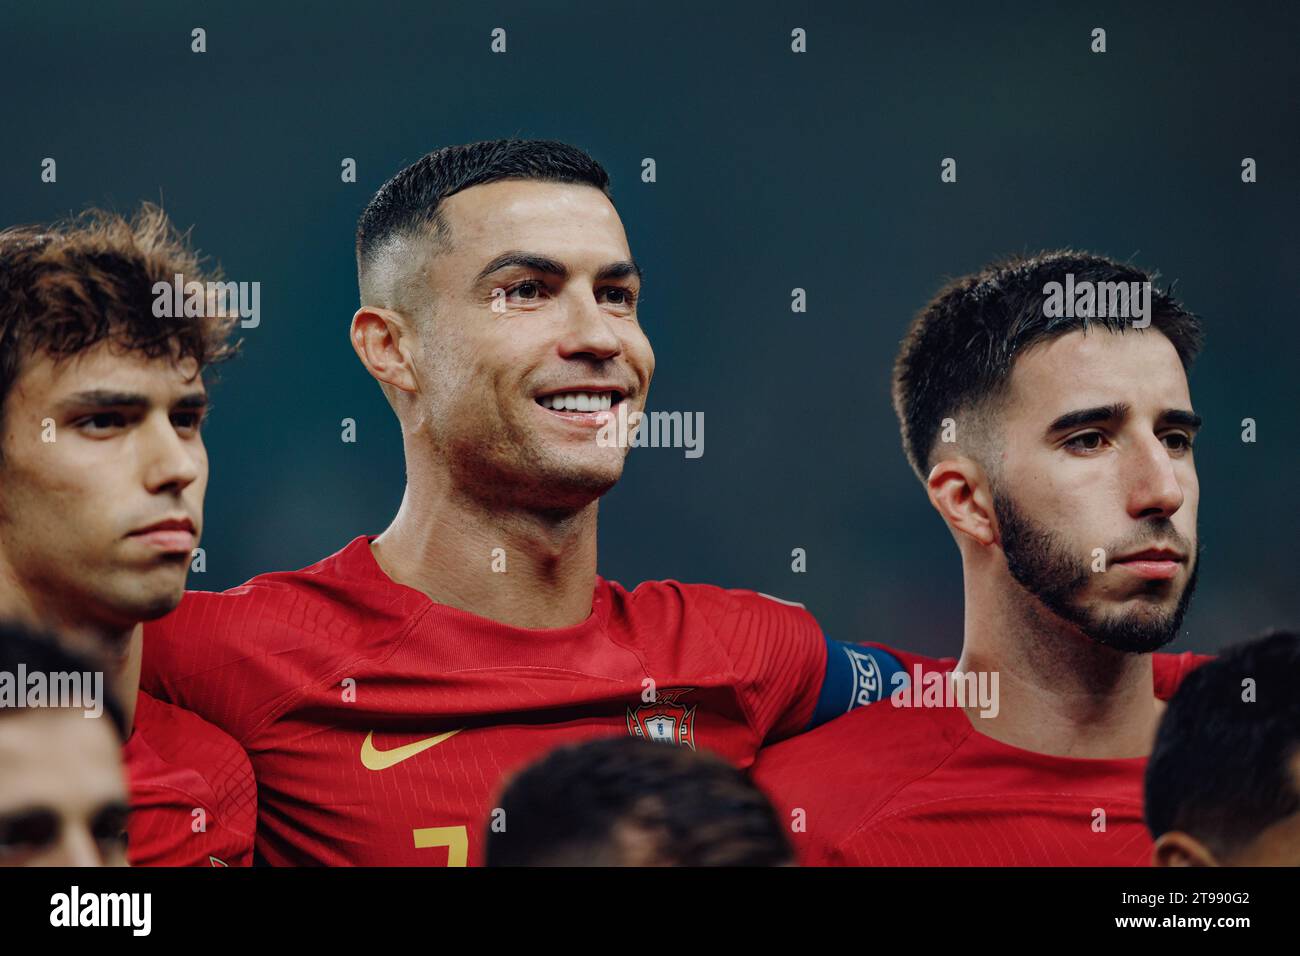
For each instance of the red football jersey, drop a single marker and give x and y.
(920, 786)
(177, 764)
(381, 724)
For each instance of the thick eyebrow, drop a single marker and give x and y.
(1118, 412)
(192, 400)
(105, 398)
(539, 263)
(619, 270)
(1181, 416)
(22, 814)
(1090, 416)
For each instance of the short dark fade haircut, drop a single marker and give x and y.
(409, 206)
(687, 808)
(48, 653)
(1223, 769)
(959, 351)
(71, 286)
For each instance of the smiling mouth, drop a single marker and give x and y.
(580, 401)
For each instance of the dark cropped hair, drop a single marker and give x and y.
(47, 653)
(68, 287)
(688, 808)
(1223, 768)
(409, 204)
(960, 349)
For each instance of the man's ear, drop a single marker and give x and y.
(959, 491)
(383, 341)
(1176, 848)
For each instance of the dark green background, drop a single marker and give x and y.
(775, 170)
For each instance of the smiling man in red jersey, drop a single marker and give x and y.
(1058, 450)
(385, 692)
(102, 474)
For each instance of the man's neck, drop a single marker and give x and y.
(127, 656)
(1059, 692)
(522, 568)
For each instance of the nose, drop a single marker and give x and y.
(589, 332)
(1154, 490)
(170, 464)
(76, 847)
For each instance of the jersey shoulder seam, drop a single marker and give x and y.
(328, 677)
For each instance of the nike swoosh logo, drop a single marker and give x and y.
(372, 758)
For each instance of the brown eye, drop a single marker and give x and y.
(1088, 441)
(527, 290)
(622, 296)
(101, 422)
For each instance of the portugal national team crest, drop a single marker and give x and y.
(666, 720)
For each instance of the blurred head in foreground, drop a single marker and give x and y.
(626, 802)
(1223, 783)
(62, 793)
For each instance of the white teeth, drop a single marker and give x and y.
(579, 401)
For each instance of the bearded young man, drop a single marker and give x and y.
(1058, 450)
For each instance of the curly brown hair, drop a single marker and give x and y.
(68, 287)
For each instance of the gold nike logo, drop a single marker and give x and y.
(372, 758)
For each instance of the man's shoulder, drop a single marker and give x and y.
(717, 603)
(180, 766)
(876, 749)
(750, 633)
(341, 593)
(173, 748)
(844, 773)
(1169, 670)
(232, 656)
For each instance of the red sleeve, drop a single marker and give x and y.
(1169, 670)
(236, 657)
(193, 796)
(778, 652)
(816, 785)
(167, 834)
(186, 661)
(829, 783)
